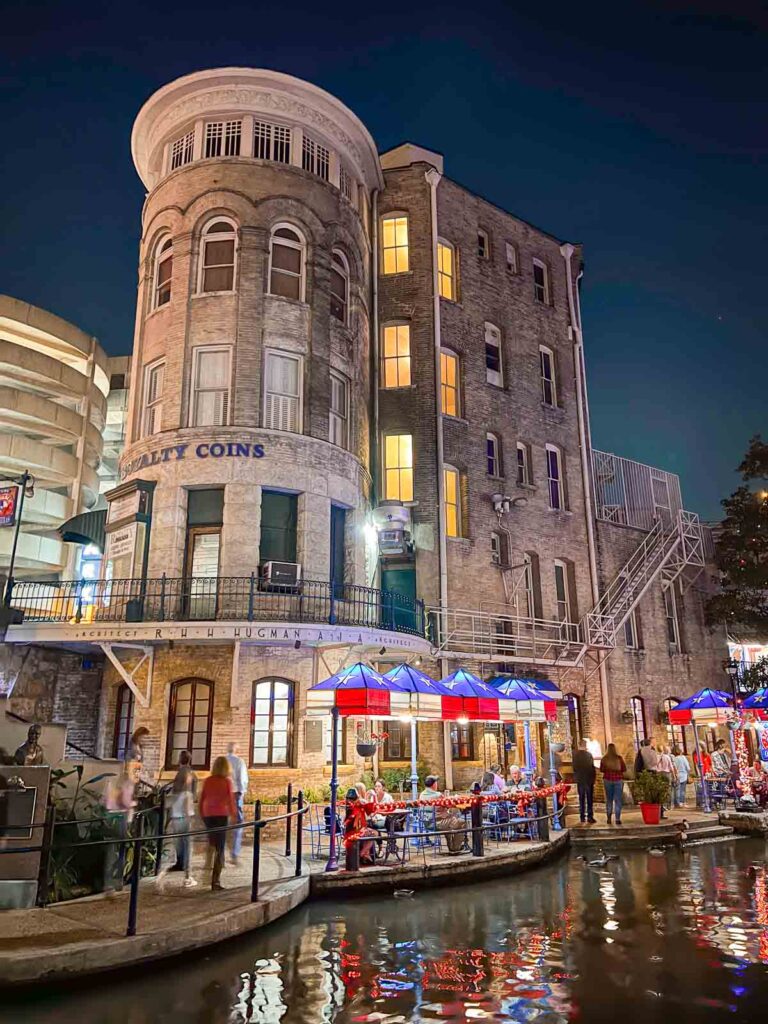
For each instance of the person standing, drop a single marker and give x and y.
(181, 808)
(683, 769)
(584, 773)
(649, 756)
(240, 787)
(613, 768)
(217, 809)
(666, 768)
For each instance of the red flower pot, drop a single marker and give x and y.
(651, 813)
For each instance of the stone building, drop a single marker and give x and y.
(358, 428)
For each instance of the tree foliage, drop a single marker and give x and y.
(742, 550)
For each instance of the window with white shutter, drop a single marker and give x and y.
(338, 416)
(315, 158)
(222, 138)
(210, 386)
(282, 392)
(182, 149)
(272, 142)
(153, 398)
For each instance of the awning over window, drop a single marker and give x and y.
(87, 528)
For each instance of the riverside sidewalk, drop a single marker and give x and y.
(88, 935)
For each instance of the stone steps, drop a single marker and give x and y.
(647, 835)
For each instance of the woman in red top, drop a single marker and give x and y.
(613, 768)
(356, 824)
(217, 809)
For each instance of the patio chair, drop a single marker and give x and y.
(423, 819)
(318, 825)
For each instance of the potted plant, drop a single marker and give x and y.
(650, 790)
(367, 743)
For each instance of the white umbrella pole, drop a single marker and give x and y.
(414, 772)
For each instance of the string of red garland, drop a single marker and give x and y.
(444, 802)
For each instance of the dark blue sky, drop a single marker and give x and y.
(636, 129)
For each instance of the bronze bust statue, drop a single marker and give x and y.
(30, 753)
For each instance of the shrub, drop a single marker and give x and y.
(650, 788)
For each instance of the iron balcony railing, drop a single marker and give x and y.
(230, 598)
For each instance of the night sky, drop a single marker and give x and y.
(638, 130)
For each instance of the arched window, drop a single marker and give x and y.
(189, 722)
(637, 704)
(492, 455)
(162, 270)
(339, 286)
(123, 721)
(272, 723)
(575, 721)
(449, 383)
(287, 252)
(217, 262)
(675, 733)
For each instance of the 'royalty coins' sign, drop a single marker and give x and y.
(203, 450)
(8, 498)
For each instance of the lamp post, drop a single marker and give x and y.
(27, 484)
(738, 743)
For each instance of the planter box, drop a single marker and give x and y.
(651, 813)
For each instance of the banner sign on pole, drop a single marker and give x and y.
(9, 497)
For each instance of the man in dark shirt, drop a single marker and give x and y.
(584, 773)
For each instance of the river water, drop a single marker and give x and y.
(677, 938)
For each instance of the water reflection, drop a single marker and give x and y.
(683, 934)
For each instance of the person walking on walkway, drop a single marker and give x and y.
(613, 768)
(683, 769)
(217, 809)
(181, 808)
(584, 773)
(240, 786)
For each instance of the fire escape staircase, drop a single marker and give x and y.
(671, 551)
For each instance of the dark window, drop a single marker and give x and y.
(338, 523)
(462, 746)
(123, 721)
(117, 382)
(397, 745)
(205, 508)
(278, 527)
(189, 722)
(272, 722)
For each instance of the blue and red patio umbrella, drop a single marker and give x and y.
(532, 702)
(757, 703)
(359, 691)
(706, 705)
(480, 701)
(429, 699)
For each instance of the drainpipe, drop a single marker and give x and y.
(433, 177)
(582, 412)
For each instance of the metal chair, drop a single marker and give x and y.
(317, 824)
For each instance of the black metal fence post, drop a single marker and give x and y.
(256, 851)
(289, 805)
(161, 833)
(133, 903)
(46, 856)
(476, 817)
(541, 813)
(299, 832)
(251, 592)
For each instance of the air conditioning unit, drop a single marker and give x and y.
(281, 574)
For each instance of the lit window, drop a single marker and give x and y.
(153, 399)
(492, 455)
(462, 748)
(282, 392)
(496, 549)
(449, 382)
(493, 372)
(523, 464)
(218, 257)
(396, 356)
(483, 245)
(575, 724)
(637, 706)
(182, 150)
(540, 282)
(446, 270)
(222, 138)
(286, 262)
(452, 502)
(189, 723)
(338, 427)
(315, 158)
(511, 256)
(555, 477)
(210, 386)
(271, 142)
(163, 271)
(272, 718)
(548, 381)
(398, 467)
(675, 733)
(630, 631)
(339, 285)
(394, 244)
(670, 613)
